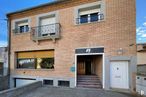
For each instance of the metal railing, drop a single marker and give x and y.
(18, 30)
(51, 31)
(88, 19)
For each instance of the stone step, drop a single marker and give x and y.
(89, 81)
(90, 86)
(90, 76)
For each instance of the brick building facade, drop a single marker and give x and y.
(100, 33)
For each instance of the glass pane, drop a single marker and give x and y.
(84, 19)
(45, 63)
(21, 29)
(26, 28)
(94, 17)
(26, 63)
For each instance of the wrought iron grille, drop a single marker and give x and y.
(45, 31)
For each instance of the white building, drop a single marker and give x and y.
(3, 61)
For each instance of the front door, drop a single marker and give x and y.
(81, 68)
(84, 67)
(88, 67)
(119, 75)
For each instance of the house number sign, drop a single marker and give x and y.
(89, 50)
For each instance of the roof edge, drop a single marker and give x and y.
(34, 7)
(141, 43)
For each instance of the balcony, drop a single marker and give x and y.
(51, 31)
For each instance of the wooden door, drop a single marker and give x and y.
(81, 68)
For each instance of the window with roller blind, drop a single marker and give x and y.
(35, 60)
(22, 26)
(89, 14)
(47, 25)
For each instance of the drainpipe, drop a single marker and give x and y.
(9, 48)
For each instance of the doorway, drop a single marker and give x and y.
(90, 71)
(119, 75)
(88, 67)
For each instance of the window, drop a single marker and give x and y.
(47, 25)
(63, 83)
(35, 60)
(26, 63)
(94, 17)
(48, 82)
(45, 63)
(84, 19)
(24, 28)
(91, 12)
(21, 26)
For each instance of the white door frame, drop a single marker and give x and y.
(103, 67)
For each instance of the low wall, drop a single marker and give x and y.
(4, 83)
(15, 92)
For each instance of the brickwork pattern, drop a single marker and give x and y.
(115, 32)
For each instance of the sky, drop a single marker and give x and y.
(7, 6)
(141, 21)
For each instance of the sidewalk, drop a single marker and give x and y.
(67, 92)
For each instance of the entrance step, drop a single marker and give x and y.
(89, 81)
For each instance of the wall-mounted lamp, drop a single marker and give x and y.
(120, 51)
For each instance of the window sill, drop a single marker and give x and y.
(21, 33)
(36, 69)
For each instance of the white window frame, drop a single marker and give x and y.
(14, 24)
(49, 14)
(77, 8)
(55, 13)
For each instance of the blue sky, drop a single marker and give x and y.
(141, 21)
(13, 5)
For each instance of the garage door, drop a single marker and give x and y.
(119, 75)
(22, 82)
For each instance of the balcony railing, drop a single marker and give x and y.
(89, 19)
(51, 31)
(19, 30)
